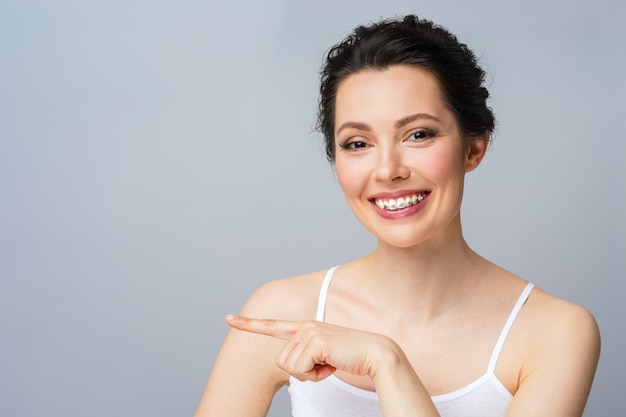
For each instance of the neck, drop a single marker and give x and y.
(427, 280)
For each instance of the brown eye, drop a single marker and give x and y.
(353, 145)
(420, 135)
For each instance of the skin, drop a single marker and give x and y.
(428, 309)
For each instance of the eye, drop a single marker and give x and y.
(421, 135)
(353, 145)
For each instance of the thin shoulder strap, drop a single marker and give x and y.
(507, 327)
(321, 301)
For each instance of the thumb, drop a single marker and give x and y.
(323, 371)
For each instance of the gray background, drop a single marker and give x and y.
(157, 164)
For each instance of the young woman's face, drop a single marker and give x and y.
(400, 157)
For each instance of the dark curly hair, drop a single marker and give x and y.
(410, 41)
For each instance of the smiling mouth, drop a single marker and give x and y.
(394, 204)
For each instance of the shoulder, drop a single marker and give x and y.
(559, 322)
(559, 346)
(563, 344)
(246, 362)
(544, 318)
(293, 298)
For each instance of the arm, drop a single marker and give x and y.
(244, 378)
(557, 377)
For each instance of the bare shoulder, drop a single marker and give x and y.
(559, 345)
(293, 298)
(546, 320)
(246, 362)
(559, 322)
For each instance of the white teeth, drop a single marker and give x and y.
(399, 203)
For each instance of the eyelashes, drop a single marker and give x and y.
(353, 145)
(422, 134)
(416, 136)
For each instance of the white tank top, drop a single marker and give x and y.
(332, 397)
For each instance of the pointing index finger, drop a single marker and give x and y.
(281, 329)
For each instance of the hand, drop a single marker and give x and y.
(314, 350)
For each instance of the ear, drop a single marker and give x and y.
(475, 149)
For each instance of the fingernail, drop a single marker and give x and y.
(231, 317)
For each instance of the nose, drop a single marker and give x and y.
(390, 166)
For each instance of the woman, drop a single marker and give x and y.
(423, 326)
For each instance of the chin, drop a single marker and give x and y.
(400, 244)
(401, 240)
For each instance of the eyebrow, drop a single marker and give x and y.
(354, 125)
(399, 124)
(417, 116)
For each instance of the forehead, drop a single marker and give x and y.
(387, 95)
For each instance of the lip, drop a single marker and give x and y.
(401, 213)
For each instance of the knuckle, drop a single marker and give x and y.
(317, 341)
(310, 325)
(299, 377)
(306, 328)
(281, 364)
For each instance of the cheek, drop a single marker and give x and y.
(351, 176)
(439, 168)
(443, 164)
